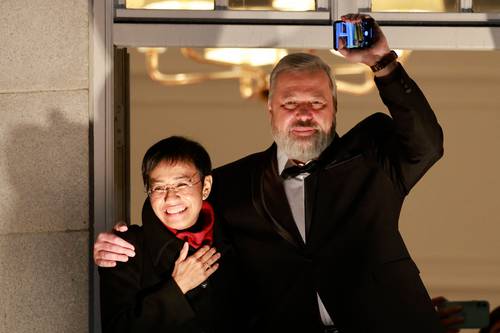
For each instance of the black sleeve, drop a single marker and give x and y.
(127, 306)
(415, 139)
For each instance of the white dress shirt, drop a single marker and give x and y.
(294, 189)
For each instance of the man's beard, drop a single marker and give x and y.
(303, 148)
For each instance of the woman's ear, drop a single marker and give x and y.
(207, 187)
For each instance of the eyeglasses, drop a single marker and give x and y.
(182, 187)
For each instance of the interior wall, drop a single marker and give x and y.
(449, 221)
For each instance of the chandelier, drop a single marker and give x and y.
(251, 67)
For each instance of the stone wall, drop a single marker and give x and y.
(44, 165)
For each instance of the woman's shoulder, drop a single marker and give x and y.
(133, 235)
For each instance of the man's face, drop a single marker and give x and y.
(302, 113)
(177, 193)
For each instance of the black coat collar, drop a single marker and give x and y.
(163, 246)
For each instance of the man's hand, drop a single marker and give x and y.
(189, 272)
(447, 315)
(109, 248)
(495, 327)
(371, 55)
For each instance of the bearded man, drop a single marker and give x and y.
(314, 218)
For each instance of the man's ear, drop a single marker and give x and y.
(207, 187)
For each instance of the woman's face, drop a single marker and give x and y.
(177, 193)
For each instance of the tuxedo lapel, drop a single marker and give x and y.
(318, 186)
(310, 190)
(269, 199)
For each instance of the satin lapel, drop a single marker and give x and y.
(310, 190)
(269, 199)
(327, 158)
(341, 151)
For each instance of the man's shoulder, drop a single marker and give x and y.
(244, 164)
(368, 133)
(375, 124)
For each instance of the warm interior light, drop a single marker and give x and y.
(294, 5)
(413, 5)
(134, 3)
(284, 5)
(337, 53)
(399, 52)
(172, 4)
(252, 57)
(158, 50)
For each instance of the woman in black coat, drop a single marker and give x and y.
(172, 282)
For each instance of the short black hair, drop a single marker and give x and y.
(176, 149)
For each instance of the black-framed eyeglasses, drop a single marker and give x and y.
(182, 187)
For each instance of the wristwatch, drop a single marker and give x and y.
(384, 61)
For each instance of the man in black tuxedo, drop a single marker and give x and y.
(314, 218)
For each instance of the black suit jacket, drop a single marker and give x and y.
(141, 296)
(354, 256)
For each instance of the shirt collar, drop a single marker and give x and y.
(282, 159)
(284, 162)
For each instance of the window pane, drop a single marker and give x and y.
(486, 6)
(284, 5)
(171, 4)
(415, 6)
(281, 5)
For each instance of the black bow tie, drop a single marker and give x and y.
(297, 169)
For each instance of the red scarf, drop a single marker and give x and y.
(202, 232)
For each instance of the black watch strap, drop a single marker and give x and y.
(384, 61)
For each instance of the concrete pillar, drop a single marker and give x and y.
(44, 165)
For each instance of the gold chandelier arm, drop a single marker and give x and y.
(355, 89)
(152, 66)
(349, 69)
(193, 55)
(254, 86)
(358, 88)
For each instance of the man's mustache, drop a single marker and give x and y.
(305, 123)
